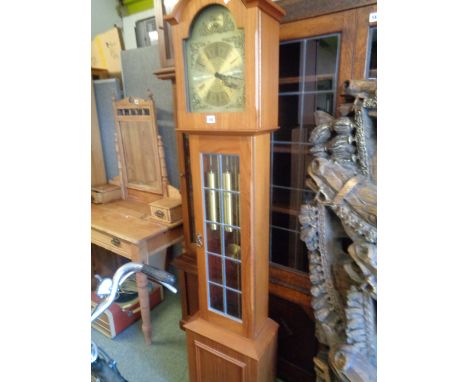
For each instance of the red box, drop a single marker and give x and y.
(115, 319)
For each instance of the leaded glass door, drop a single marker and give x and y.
(222, 233)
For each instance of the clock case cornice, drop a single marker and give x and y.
(259, 19)
(267, 6)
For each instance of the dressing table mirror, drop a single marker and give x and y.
(142, 164)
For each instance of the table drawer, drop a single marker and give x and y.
(112, 243)
(166, 210)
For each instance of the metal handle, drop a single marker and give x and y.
(115, 241)
(199, 240)
(164, 278)
(159, 214)
(122, 274)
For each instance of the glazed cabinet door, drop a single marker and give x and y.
(316, 56)
(221, 190)
(221, 232)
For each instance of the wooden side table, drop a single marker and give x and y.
(124, 227)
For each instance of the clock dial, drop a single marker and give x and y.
(214, 55)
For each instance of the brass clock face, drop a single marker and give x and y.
(214, 59)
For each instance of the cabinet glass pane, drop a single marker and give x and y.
(290, 165)
(213, 238)
(213, 206)
(289, 69)
(231, 210)
(221, 177)
(286, 205)
(232, 244)
(230, 171)
(234, 303)
(314, 102)
(211, 171)
(215, 269)
(283, 240)
(288, 117)
(233, 274)
(316, 68)
(372, 54)
(216, 297)
(320, 64)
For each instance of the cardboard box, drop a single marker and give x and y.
(105, 51)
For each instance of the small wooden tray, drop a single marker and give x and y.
(105, 193)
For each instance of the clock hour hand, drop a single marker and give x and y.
(228, 80)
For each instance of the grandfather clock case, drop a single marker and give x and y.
(226, 62)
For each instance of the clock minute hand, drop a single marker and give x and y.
(226, 79)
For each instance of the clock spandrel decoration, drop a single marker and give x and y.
(226, 56)
(214, 55)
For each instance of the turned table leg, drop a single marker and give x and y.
(141, 256)
(143, 296)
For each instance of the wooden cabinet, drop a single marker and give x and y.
(166, 52)
(317, 55)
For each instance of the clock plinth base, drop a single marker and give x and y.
(216, 354)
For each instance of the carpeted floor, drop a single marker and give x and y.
(163, 361)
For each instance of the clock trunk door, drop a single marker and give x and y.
(221, 188)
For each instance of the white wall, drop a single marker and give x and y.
(104, 16)
(128, 25)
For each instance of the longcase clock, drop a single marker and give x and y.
(226, 57)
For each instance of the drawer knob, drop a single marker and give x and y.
(159, 214)
(115, 241)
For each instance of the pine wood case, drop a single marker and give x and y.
(259, 19)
